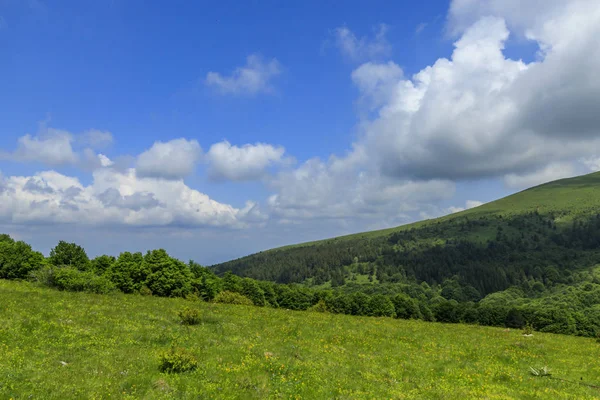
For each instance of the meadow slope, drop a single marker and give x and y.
(58, 345)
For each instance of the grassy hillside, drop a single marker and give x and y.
(57, 345)
(527, 223)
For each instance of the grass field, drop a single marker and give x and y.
(58, 345)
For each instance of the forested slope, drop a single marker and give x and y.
(543, 234)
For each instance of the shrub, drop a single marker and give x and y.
(69, 254)
(145, 291)
(319, 307)
(251, 290)
(73, 280)
(528, 329)
(167, 276)
(17, 259)
(189, 316)
(227, 297)
(381, 306)
(177, 360)
(405, 307)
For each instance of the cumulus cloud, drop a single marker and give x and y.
(364, 48)
(480, 114)
(170, 160)
(549, 173)
(115, 198)
(342, 188)
(51, 146)
(253, 78)
(58, 147)
(249, 162)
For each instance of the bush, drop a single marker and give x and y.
(167, 276)
(73, 280)
(177, 360)
(70, 255)
(17, 259)
(227, 297)
(381, 306)
(319, 307)
(251, 290)
(405, 307)
(189, 316)
(145, 291)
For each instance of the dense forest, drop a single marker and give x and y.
(519, 251)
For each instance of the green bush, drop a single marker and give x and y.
(17, 259)
(167, 276)
(251, 290)
(177, 360)
(73, 280)
(381, 306)
(145, 291)
(319, 307)
(189, 316)
(69, 255)
(227, 297)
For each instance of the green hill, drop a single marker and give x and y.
(61, 345)
(491, 247)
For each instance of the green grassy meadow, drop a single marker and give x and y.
(60, 345)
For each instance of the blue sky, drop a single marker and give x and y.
(215, 129)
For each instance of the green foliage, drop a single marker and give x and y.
(177, 360)
(189, 316)
(405, 307)
(252, 290)
(70, 255)
(128, 272)
(227, 297)
(205, 282)
(527, 329)
(515, 319)
(74, 280)
(101, 264)
(319, 307)
(17, 259)
(167, 276)
(381, 306)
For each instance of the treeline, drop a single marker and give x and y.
(564, 309)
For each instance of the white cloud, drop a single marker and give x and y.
(171, 160)
(115, 198)
(343, 188)
(549, 173)
(364, 48)
(376, 82)
(480, 114)
(51, 147)
(249, 162)
(253, 78)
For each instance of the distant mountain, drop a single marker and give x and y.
(544, 233)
